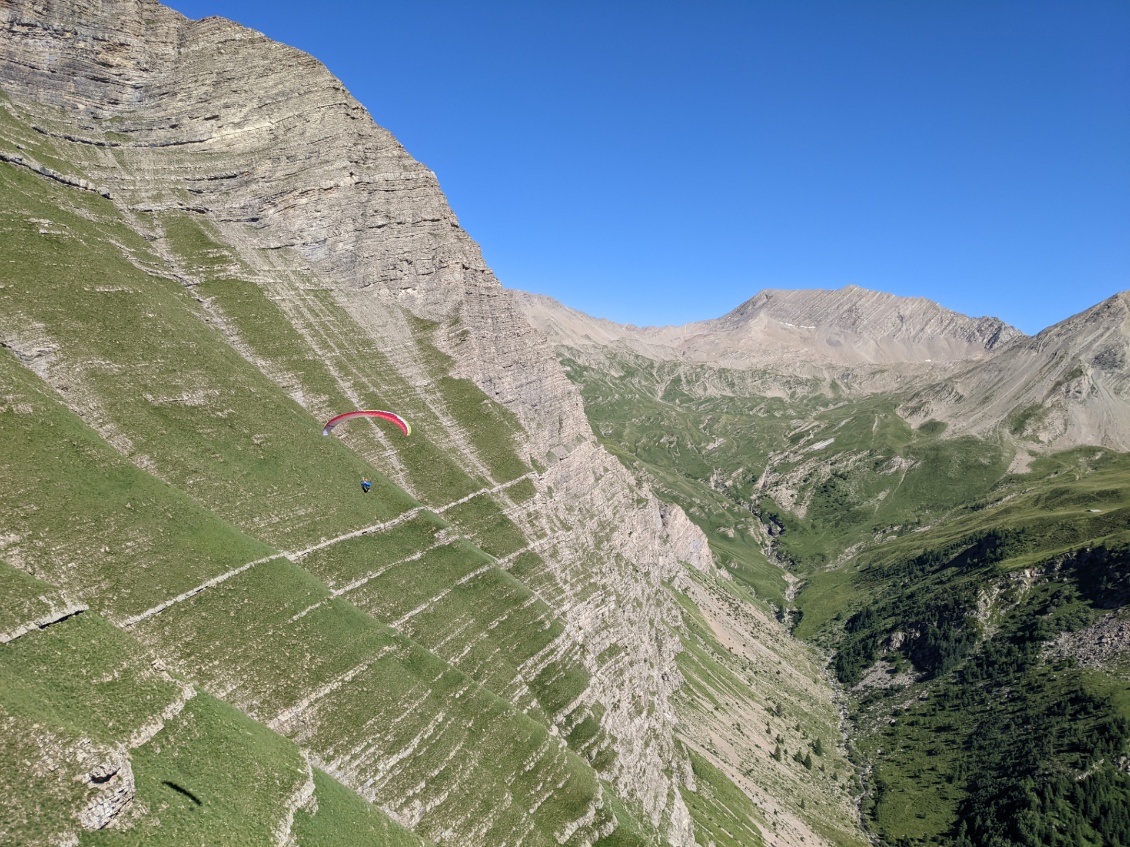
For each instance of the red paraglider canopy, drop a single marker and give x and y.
(368, 413)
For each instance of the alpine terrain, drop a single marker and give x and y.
(837, 568)
(210, 634)
(939, 503)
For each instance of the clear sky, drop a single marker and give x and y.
(659, 162)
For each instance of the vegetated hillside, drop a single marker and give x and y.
(989, 660)
(210, 634)
(969, 581)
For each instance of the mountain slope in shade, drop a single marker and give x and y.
(782, 329)
(1067, 386)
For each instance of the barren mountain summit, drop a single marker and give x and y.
(847, 326)
(889, 323)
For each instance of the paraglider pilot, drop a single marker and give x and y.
(365, 484)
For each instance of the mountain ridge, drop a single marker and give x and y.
(846, 326)
(1066, 386)
(980, 376)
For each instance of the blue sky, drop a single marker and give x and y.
(660, 162)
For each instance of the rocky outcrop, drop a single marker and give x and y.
(1097, 645)
(55, 614)
(113, 780)
(871, 325)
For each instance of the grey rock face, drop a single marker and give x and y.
(217, 119)
(1067, 386)
(86, 57)
(113, 779)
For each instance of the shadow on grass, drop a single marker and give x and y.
(183, 791)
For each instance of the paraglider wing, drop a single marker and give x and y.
(368, 413)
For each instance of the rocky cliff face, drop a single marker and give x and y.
(216, 119)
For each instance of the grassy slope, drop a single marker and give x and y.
(233, 463)
(878, 477)
(430, 589)
(136, 353)
(27, 600)
(79, 515)
(763, 702)
(928, 536)
(725, 816)
(342, 819)
(982, 598)
(80, 691)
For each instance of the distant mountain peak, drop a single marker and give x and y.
(845, 326)
(872, 315)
